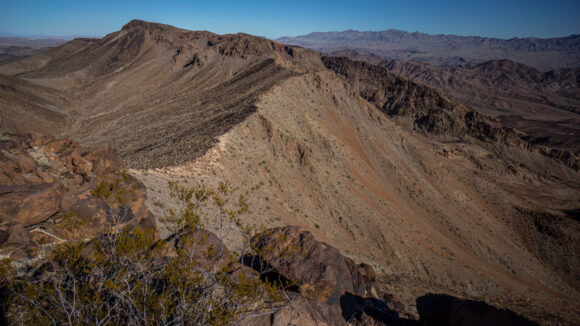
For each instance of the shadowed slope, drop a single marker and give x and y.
(159, 94)
(545, 105)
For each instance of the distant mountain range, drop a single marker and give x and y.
(34, 43)
(542, 54)
(18, 47)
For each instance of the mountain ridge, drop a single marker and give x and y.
(417, 33)
(446, 49)
(543, 105)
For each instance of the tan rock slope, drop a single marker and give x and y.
(435, 197)
(428, 213)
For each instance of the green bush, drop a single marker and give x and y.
(127, 277)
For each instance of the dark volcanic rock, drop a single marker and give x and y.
(47, 192)
(300, 311)
(208, 248)
(374, 311)
(320, 271)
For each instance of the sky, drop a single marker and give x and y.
(273, 19)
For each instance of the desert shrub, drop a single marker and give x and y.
(128, 277)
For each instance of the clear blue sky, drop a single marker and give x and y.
(273, 18)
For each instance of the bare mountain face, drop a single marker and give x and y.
(150, 85)
(435, 196)
(543, 105)
(542, 54)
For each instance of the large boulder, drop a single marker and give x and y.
(205, 248)
(54, 191)
(299, 311)
(319, 271)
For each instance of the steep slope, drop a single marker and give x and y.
(546, 105)
(426, 110)
(429, 215)
(150, 85)
(29, 108)
(542, 54)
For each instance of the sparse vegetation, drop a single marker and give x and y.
(128, 277)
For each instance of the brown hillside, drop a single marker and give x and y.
(545, 105)
(150, 85)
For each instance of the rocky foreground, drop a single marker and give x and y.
(48, 193)
(52, 192)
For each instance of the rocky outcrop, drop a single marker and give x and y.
(429, 111)
(330, 283)
(51, 191)
(207, 250)
(319, 270)
(301, 311)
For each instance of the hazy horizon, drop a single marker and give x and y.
(273, 19)
(70, 37)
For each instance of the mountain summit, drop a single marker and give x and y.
(201, 83)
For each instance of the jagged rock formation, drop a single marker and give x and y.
(544, 105)
(47, 193)
(430, 111)
(543, 54)
(321, 273)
